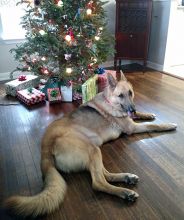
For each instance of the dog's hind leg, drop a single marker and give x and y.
(128, 178)
(99, 181)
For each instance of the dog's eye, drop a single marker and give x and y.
(130, 93)
(121, 96)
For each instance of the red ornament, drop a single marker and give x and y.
(90, 5)
(50, 21)
(44, 71)
(70, 32)
(90, 66)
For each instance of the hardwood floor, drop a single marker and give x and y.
(157, 158)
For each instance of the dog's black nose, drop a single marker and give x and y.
(132, 109)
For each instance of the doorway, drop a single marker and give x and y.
(174, 56)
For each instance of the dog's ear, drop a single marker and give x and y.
(111, 80)
(123, 76)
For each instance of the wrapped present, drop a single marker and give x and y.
(54, 95)
(66, 93)
(89, 89)
(102, 79)
(21, 83)
(30, 96)
(52, 82)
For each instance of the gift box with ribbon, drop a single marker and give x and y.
(23, 82)
(30, 96)
(54, 95)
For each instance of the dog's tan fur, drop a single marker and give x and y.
(72, 144)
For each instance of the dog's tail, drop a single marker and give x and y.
(46, 201)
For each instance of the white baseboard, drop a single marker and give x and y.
(155, 66)
(123, 62)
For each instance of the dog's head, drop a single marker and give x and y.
(120, 93)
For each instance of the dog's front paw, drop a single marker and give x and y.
(152, 116)
(130, 195)
(172, 126)
(131, 179)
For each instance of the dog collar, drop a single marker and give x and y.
(107, 100)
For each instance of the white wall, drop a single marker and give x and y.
(7, 62)
(175, 42)
(158, 34)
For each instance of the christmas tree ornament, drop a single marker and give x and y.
(68, 56)
(34, 60)
(90, 4)
(50, 21)
(71, 33)
(64, 17)
(44, 70)
(77, 14)
(59, 3)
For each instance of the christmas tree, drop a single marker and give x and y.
(66, 39)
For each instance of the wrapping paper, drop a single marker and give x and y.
(13, 86)
(30, 98)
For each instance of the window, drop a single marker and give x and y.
(10, 21)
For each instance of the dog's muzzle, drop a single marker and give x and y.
(132, 109)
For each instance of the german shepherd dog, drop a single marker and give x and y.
(72, 144)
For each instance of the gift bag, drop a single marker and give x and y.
(66, 93)
(89, 89)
